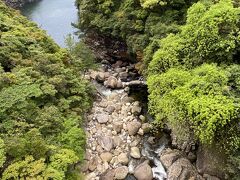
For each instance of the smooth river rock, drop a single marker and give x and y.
(133, 127)
(135, 152)
(121, 172)
(102, 118)
(106, 143)
(106, 157)
(143, 172)
(123, 158)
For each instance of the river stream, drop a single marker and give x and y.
(54, 16)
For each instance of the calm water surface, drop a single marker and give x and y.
(54, 16)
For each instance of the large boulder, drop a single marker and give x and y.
(108, 175)
(100, 77)
(102, 118)
(169, 156)
(133, 127)
(121, 172)
(135, 152)
(111, 82)
(106, 157)
(210, 161)
(123, 158)
(182, 169)
(106, 143)
(143, 172)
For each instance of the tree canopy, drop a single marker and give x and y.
(43, 98)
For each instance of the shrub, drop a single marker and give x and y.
(211, 34)
(198, 98)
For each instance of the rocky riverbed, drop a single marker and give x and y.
(119, 145)
(115, 127)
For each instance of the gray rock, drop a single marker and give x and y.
(119, 84)
(118, 126)
(169, 156)
(117, 141)
(92, 165)
(211, 161)
(151, 140)
(121, 172)
(143, 172)
(133, 127)
(106, 143)
(108, 175)
(111, 82)
(123, 76)
(142, 118)
(136, 109)
(146, 127)
(110, 109)
(100, 77)
(127, 99)
(102, 118)
(90, 176)
(117, 64)
(182, 169)
(118, 70)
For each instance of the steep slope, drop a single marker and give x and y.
(43, 97)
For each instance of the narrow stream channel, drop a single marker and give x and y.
(54, 16)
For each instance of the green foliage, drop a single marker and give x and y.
(26, 169)
(43, 97)
(128, 20)
(233, 166)
(2, 153)
(198, 98)
(211, 34)
(152, 3)
(82, 55)
(30, 168)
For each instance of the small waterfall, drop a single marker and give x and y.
(152, 153)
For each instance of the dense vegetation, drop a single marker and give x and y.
(43, 98)
(140, 26)
(191, 52)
